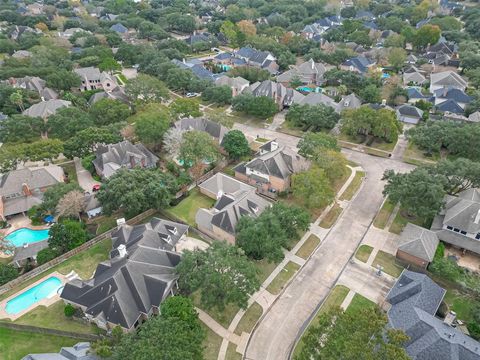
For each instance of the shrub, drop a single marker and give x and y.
(69, 310)
(45, 255)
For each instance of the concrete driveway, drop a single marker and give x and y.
(275, 335)
(85, 179)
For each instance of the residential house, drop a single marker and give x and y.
(456, 95)
(93, 79)
(128, 288)
(23, 188)
(307, 73)
(321, 26)
(117, 93)
(261, 59)
(283, 96)
(197, 68)
(237, 84)
(111, 157)
(449, 106)
(214, 129)
(79, 351)
(34, 83)
(447, 79)
(351, 101)
(411, 59)
(414, 95)
(272, 169)
(234, 199)
(92, 207)
(27, 253)
(44, 109)
(359, 64)
(417, 246)
(413, 303)
(119, 28)
(414, 77)
(21, 54)
(315, 98)
(72, 31)
(18, 30)
(409, 114)
(458, 223)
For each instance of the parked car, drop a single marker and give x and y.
(217, 50)
(96, 187)
(190, 95)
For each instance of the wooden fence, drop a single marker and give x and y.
(41, 330)
(48, 265)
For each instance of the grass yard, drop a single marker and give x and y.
(335, 298)
(211, 344)
(383, 215)
(105, 223)
(187, 208)
(69, 168)
(308, 246)
(232, 353)
(413, 152)
(332, 216)
(282, 278)
(464, 305)
(83, 263)
(52, 317)
(383, 145)
(249, 319)
(387, 261)
(358, 139)
(352, 189)
(224, 317)
(264, 269)
(358, 303)
(363, 253)
(401, 221)
(14, 345)
(340, 181)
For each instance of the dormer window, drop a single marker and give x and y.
(477, 236)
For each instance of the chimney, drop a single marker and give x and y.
(122, 251)
(450, 318)
(384, 102)
(477, 218)
(26, 190)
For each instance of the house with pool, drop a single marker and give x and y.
(129, 287)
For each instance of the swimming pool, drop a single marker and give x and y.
(45, 289)
(26, 236)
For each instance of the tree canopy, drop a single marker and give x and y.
(312, 188)
(151, 123)
(235, 144)
(314, 118)
(66, 235)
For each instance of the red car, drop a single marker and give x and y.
(96, 187)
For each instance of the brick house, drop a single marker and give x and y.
(417, 246)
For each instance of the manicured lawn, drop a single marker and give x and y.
(413, 152)
(341, 180)
(363, 253)
(106, 223)
(308, 246)
(331, 216)
(382, 145)
(358, 303)
(352, 189)
(387, 261)
(224, 317)
(264, 268)
(188, 207)
(359, 139)
(14, 345)
(70, 170)
(401, 221)
(335, 298)
(282, 278)
(464, 305)
(52, 317)
(249, 319)
(383, 215)
(211, 344)
(83, 263)
(232, 353)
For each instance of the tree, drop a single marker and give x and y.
(66, 236)
(370, 94)
(7, 273)
(71, 204)
(459, 174)
(332, 162)
(172, 141)
(314, 118)
(418, 192)
(63, 80)
(17, 99)
(221, 95)
(183, 23)
(137, 190)
(353, 335)
(85, 141)
(311, 143)
(222, 274)
(260, 106)
(395, 41)
(427, 35)
(247, 27)
(250, 73)
(69, 310)
(177, 331)
(197, 147)
(145, 88)
(397, 57)
(181, 108)
(108, 111)
(45, 255)
(21, 128)
(313, 188)
(235, 144)
(54, 194)
(151, 123)
(67, 122)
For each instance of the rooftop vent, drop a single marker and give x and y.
(122, 250)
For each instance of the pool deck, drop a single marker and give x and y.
(44, 302)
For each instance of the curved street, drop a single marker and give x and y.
(276, 333)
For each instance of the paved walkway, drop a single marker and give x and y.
(278, 120)
(85, 179)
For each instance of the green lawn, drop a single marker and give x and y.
(14, 345)
(387, 261)
(383, 145)
(413, 152)
(359, 302)
(211, 344)
(232, 352)
(363, 253)
(359, 139)
(69, 169)
(464, 305)
(106, 223)
(401, 221)
(308, 246)
(188, 207)
(224, 317)
(383, 215)
(335, 298)
(264, 269)
(352, 189)
(83, 263)
(282, 278)
(249, 319)
(332, 216)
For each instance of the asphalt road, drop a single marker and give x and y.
(276, 333)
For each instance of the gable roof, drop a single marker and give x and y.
(450, 106)
(418, 241)
(359, 62)
(453, 94)
(253, 55)
(214, 129)
(319, 98)
(89, 73)
(79, 351)
(119, 28)
(46, 108)
(448, 78)
(410, 111)
(305, 71)
(462, 211)
(414, 300)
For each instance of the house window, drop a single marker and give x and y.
(463, 232)
(450, 227)
(478, 236)
(456, 230)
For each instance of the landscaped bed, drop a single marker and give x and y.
(249, 319)
(308, 246)
(363, 253)
(282, 278)
(387, 261)
(332, 216)
(187, 208)
(383, 215)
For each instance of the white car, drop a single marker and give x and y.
(190, 95)
(217, 50)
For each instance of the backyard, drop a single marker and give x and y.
(186, 209)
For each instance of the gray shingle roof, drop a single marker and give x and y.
(448, 78)
(414, 300)
(79, 351)
(418, 241)
(44, 109)
(213, 128)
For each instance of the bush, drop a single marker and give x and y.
(7, 273)
(35, 215)
(69, 310)
(87, 163)
(45, 255)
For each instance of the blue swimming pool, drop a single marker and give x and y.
(26, 236)
(28, 298)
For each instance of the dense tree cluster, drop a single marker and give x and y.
(260, 106)
(312, 117)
